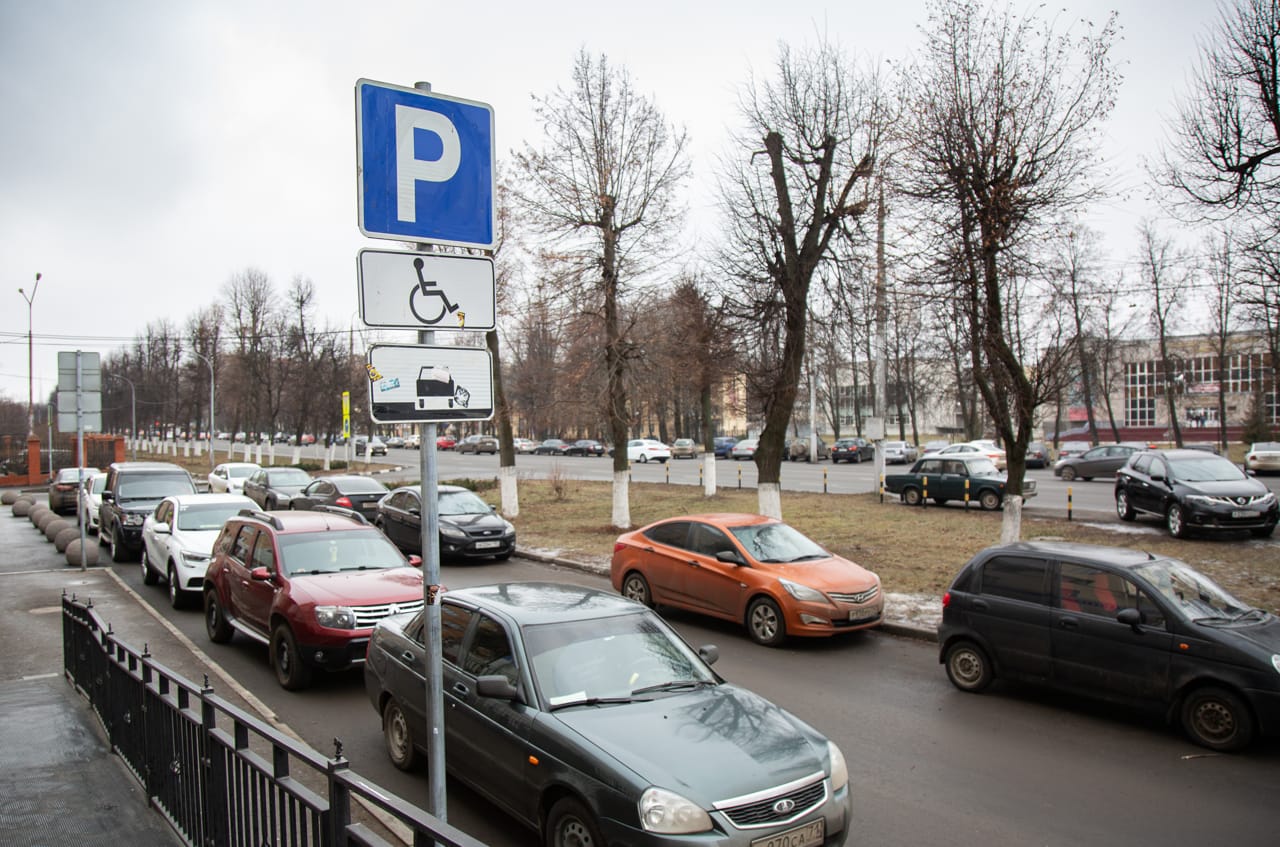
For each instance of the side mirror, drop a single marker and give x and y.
(709, 653)
(731, 557)
(497, 686)
(108, 497)
(162, 529)
(1130, 617)
(415, 560)
(260, 575)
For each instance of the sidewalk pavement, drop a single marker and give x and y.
(59, 781)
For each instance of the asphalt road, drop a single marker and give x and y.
(929, 763)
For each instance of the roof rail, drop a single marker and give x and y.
(265, 517)
(341, 510)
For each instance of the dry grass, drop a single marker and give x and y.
(915, 551)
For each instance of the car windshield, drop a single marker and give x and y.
(610, 660)
(1194, 596)
(777, 542)
(288, 476)
(331, 552)
(206, 516)
(154, 486)
(895, 445)
(1206, 469)
(462, 503)
(982, 467)
(240, 472)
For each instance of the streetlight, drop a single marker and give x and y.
(209, 362)
(31, 394)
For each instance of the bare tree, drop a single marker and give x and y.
(1077, 258)
(1221, 251)
(1005, 112)
(1225, 154)
(798, 177)
(604, 186)
(1166, 280)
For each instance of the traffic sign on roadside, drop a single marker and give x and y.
(426, 291)
(415, 383)
(424, 166)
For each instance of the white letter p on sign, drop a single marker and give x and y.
(409, 168)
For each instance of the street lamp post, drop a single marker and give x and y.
(31, 409)
(208, 361)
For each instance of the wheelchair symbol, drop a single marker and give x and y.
(428, 290)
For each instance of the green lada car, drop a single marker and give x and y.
(961, 478)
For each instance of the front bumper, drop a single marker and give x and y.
(468, 548)
(1224, 518)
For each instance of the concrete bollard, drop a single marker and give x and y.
(45, 519)
(9, 498)
(21, 508)
(38, 510)
(74, 554)
(53, 527)
(65, 537)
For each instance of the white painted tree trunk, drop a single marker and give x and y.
(1011, 525)
(770, 498)
(510, 491)
(621, 500)
(709, 474)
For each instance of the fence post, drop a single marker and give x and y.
(966, 493)
(339, 797)
(924, 491)
(216, 829)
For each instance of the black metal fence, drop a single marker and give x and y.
(219, 775)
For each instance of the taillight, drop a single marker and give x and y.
(618, 546)
(946, 599)
(344, 502)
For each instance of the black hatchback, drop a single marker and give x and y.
(1119, 625)
(1194, 491)
(469, 527)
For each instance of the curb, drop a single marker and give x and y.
(898, 628)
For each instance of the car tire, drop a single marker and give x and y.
(989, 500)
(1068, 474)
(291, 671)
(215, 622)
(636, 587)
(1124, 509)
(119, 553)
(398, 736)
(912, 496)
(502, 557)
(177, 597)
(940, 501)
(271, 505)
(1216, 718)
(570, 824)
(765, 623)
(968, 667)
(1176, 521)
(644, 460)
(149, 576)
(857, 458)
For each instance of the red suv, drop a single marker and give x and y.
(310, 585)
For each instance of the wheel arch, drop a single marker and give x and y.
(1189, 686)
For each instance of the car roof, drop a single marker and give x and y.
(212, 497)
(1120, 557)
(303, 522)
(147, 466)
(533, 603)
(1185, 453)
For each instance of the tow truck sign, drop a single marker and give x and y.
(415, 383)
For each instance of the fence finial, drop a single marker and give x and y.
(337, 749)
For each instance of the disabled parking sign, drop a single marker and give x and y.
(424, 166)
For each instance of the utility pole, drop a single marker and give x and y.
(31, 394)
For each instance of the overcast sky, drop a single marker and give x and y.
(150, 150)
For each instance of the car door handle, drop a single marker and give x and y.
(981, 605)
(693, 563)
(460, 688)
(408, 656)
(1068, 623)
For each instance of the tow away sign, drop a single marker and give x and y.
(414, 383)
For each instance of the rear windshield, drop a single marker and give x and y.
(289, 476)
(361, 485)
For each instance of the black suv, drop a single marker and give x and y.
(1119, 625)
(1192, 490)
(133, 490)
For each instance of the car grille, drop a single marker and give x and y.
(855, 599)
(485, 533)
(1240, 502)
(367, 616)
(765, 811)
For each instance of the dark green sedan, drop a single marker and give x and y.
(961, 478)
(586, 717)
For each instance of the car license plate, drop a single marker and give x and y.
(1245, 514)
(863, 614)
(802, 836)
(485, 545)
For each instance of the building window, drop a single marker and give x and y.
(1240, 370)
(1271, 407)
(1140, 391)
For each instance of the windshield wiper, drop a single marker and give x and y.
(1215, 621)
(674, 685)
(362, 568)
(599, 701)
(808, 557)
(1250, 614)
(310, 571)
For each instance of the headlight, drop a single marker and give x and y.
(336, 617)
(667, 812)
(839, 770)
(449, 531)
(134, 518)
(193, 558)
(508, 527)
(803, 592)
(1267, 499)
(1275, 661)
(1199, 499)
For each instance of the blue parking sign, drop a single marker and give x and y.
(424, 165)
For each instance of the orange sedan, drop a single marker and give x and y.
(751, 569)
